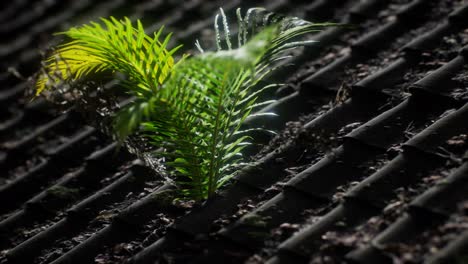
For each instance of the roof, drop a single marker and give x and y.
(370, 164)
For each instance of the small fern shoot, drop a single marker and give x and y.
(192, 109)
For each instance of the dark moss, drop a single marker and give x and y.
(63, 192)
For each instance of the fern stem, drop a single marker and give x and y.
(211, 172)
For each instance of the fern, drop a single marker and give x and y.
(119, 47)
(192, 109)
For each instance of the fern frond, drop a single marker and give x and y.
(193, 109)
(202, 101)
(264, 35)
(118, 46)
(198, 114)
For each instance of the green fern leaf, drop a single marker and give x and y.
(192, 109)
(118, 47)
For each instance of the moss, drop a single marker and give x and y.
(255, 220)
(131, 179)
(258, 235)
(63, 192)
(164, 198)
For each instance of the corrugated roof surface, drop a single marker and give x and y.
(370, 164)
